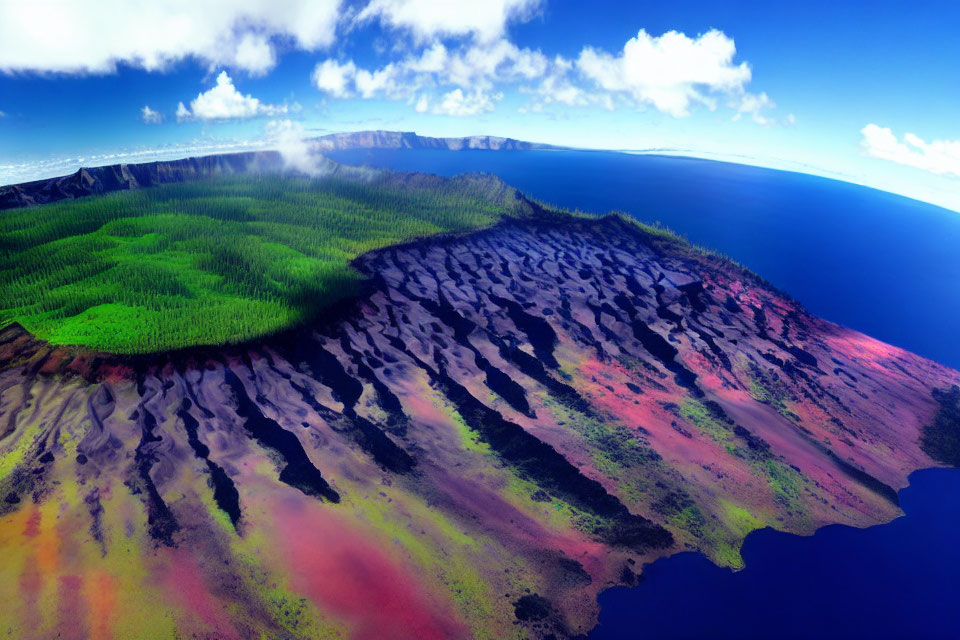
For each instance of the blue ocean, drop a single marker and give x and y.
(879, 263)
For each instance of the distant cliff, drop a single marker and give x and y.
(117, 177)
(410, 140)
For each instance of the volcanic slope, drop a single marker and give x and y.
(499, 426)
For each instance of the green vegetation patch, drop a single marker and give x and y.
(770, 390)
(214, 261)
(618, 452)
(699, 415)
(786, 482)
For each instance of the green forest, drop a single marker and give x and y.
(214, 261)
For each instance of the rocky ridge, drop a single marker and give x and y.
(100, 180)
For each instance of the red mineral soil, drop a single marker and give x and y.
(343, 572)
(184, 583)
(501, 425)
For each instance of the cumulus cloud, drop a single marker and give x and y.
(460, 104)
(497, 61)
(672, 73)
(225, 102)
(556, 87)
(754, 105)
(182, 113)
(427, 20)
(149, 116)
(941, 157)
(334, 78)
(669, 72)
(457, 45)
(69, 36)
(370, 83)
(468, 76)
(255, 54)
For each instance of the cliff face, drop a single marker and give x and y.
(502, 425)
(410, 140)
(99, 180)
(118, 177)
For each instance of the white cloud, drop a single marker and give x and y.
(669, 72)
(497, 61)
(224, 101)
(255, 54)
(94, 37)
(754, 105)
(3, 114)
(149, 116)
(369, 84)
(556, 87)
(428, 19)
(941, 157)
(468, 75)
(289, 138)
(334, 78)
(431, 60)
(458, 103)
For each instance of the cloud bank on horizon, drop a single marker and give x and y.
(457, 59)
(941, 157)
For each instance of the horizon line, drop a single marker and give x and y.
(65, 166)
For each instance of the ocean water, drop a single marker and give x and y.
(897, 581)
(879, 263)
(876, 262)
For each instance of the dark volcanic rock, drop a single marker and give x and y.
(501, 422)
(532, 607)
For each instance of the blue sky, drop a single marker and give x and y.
(864, 91)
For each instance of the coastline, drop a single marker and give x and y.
(750, 595)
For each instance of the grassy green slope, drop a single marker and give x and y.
(215, 261)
